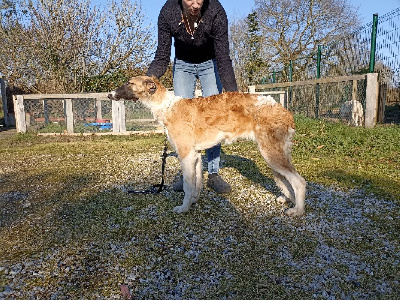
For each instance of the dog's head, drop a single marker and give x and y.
(137, 88)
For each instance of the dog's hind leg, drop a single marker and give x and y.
(292, 184)
(188, 164)
(298, 185)
(285, 187)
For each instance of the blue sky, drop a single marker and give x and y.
(237, 9)
(241, 8)
(368, 7)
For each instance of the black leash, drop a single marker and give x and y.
(156, 188)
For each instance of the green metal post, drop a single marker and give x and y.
(274, 78)
(373, 44)
(319, 62)
(317, 88)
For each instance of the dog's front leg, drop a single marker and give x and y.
(189, 181)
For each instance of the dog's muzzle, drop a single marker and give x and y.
(122, 93)
(111, 96)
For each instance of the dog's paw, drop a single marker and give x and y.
(294, 212)
(181, 209)
(194, 200)
(283, 199)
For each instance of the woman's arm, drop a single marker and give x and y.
(221, 47)
(162, 57)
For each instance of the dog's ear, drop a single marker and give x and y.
(151, 86)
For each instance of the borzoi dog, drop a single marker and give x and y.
(194, 125)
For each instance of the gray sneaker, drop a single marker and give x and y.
(177, 186)
(216, 183)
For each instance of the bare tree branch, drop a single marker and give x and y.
(53, 45)
(295, 28)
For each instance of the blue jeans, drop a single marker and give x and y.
(185, 76)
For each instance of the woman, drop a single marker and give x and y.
(200, 32)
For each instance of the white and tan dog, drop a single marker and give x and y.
(198, 124)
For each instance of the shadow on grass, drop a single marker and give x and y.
(26, 197)
(248, 168)
(90, 243)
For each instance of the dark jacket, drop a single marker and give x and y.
(210, 40)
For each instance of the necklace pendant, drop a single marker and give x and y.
(192, 37)
(195, 25)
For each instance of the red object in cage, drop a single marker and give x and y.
(102, 121)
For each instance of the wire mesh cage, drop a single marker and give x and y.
(92, 115)
(89, 115)
(138, 117)
(45, 115)
(331, 100)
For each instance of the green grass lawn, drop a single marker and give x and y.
(335, 154)
(69, 229)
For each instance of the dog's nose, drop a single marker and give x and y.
(111, 95)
